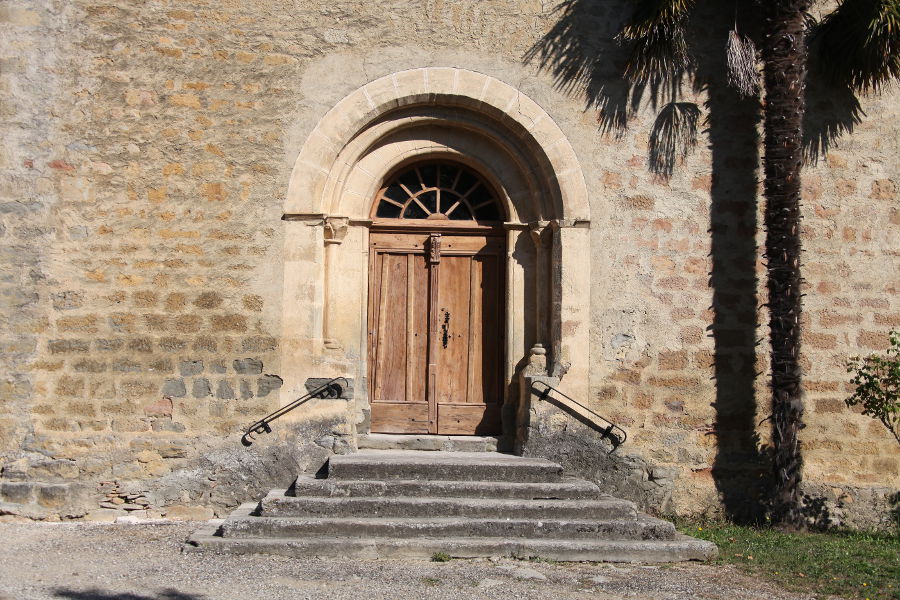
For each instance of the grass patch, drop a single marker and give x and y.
(848, 564)
(440, 557)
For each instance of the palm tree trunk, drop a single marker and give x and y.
(784, 60)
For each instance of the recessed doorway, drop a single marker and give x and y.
(436, 303)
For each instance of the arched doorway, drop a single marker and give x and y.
(541, 237)
(435, 302)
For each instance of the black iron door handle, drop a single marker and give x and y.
(445, 328)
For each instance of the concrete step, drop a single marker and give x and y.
(299, 527)
(445, 443)
(452, 466)
(679, 549)
(277, 504)
(307, 485)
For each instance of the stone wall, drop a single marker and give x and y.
(148, 149)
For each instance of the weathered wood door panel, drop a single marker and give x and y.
(435, 342)
(398, 316)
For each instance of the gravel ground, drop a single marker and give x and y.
(101, 561)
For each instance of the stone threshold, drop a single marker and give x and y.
(436, 443)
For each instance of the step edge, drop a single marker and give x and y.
(696, 549)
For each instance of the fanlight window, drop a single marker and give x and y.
(438, 191)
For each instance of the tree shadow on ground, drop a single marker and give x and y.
(97, 594)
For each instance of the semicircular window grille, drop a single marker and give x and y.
(438, 191)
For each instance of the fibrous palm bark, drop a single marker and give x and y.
(784, 75)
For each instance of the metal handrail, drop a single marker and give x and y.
(608, 429)
(329, 389)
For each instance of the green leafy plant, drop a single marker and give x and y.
(877, 381)
(440, 557)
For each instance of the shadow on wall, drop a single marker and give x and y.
(582, 55)
(741, 468)
(95, 594)
(585, 60)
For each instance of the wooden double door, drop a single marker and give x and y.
(435, 332)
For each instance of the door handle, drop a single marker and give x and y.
(445, 327)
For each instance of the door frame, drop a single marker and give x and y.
(456, 228)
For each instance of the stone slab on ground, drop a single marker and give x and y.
(144, 562)
(308, 485)
(463, 466)
(276, 504)
(445, 443)
(414, 525)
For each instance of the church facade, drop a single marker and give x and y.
(212, 208)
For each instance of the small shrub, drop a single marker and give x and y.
(877, 381)
(440, 557)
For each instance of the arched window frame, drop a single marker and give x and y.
(437, 191)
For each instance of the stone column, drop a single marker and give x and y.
(542, 236)
(334, 234)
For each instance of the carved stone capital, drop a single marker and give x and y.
(539, 233)
(336, 229)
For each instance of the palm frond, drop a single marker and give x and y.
(673, 136)
(860, 43)
(740, 54)
(657, 31)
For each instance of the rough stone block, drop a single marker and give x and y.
(68, 346)
(160, 408)
(68, 300)
(70, 386)
(166, 425)
(259, 343)
(246, 392)
(188, 324)
(19, 492)
(224, 391)
(52, 495)
(89, 366)
(108, 345)
(236, 323)
(205, 343)
(200, 388)
(208, 300)
(248, 366)
(268, 383)
(218, 367)
(160, 365)
(190, 367)
(172, 449)
(143, 345)
(174, 388)
(129, 425)
(171, 344)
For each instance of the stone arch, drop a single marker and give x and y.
(473, 100)
(446, 114)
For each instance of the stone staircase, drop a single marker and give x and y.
(413, 504)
